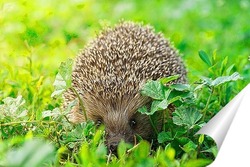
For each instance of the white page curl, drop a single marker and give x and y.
(230, 129)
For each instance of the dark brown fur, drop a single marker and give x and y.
(108, 75)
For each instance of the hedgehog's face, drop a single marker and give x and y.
(120, 118)
(123, 126)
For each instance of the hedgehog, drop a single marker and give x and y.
(109, 73)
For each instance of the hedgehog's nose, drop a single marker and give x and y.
(113, 147)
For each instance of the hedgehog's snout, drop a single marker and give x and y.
(113, 141)
(112, 147)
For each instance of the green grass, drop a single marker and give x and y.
(36, 36)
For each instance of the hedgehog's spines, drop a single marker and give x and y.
(113, 66)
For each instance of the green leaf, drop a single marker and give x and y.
(60, 86)
(200, 86)
(88, 127)
(163, 104)
(167, 92)
(186, 117)
(65, 70)
(170, 152)
(174, 99)
(207, 81)
(164, 137)
(166, 80)
(70, 106)
(158, 105)
(198, 162)
(183, 140)
(154, 107)
(180, 87)
(97, 137)
(31, 153)
(220, 80)
(153, 89)
(190, 146)
(180, 131)
(223, 65)
(101, 151)
(13, 107)
(143, 110)
(228, 71)
(63, 78)
(201, 139)
(180, 95)
(203, 55)
(213, 150)
(122, 148)
(142, 150)
(214, 55)
(229, 91)
(54, 113)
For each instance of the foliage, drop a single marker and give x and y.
(37, 35)
(83, 144)
(63, 78)
(188, 115)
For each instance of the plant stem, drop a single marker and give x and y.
(131, 149)
(164, 119)
(109, 158)
(81, 103)
(204, 111)
(153, 125)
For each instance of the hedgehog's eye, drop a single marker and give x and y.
(132, 123)
(98, 122)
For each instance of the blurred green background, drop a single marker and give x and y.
(36, 36)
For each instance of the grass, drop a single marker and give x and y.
(36, 36)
